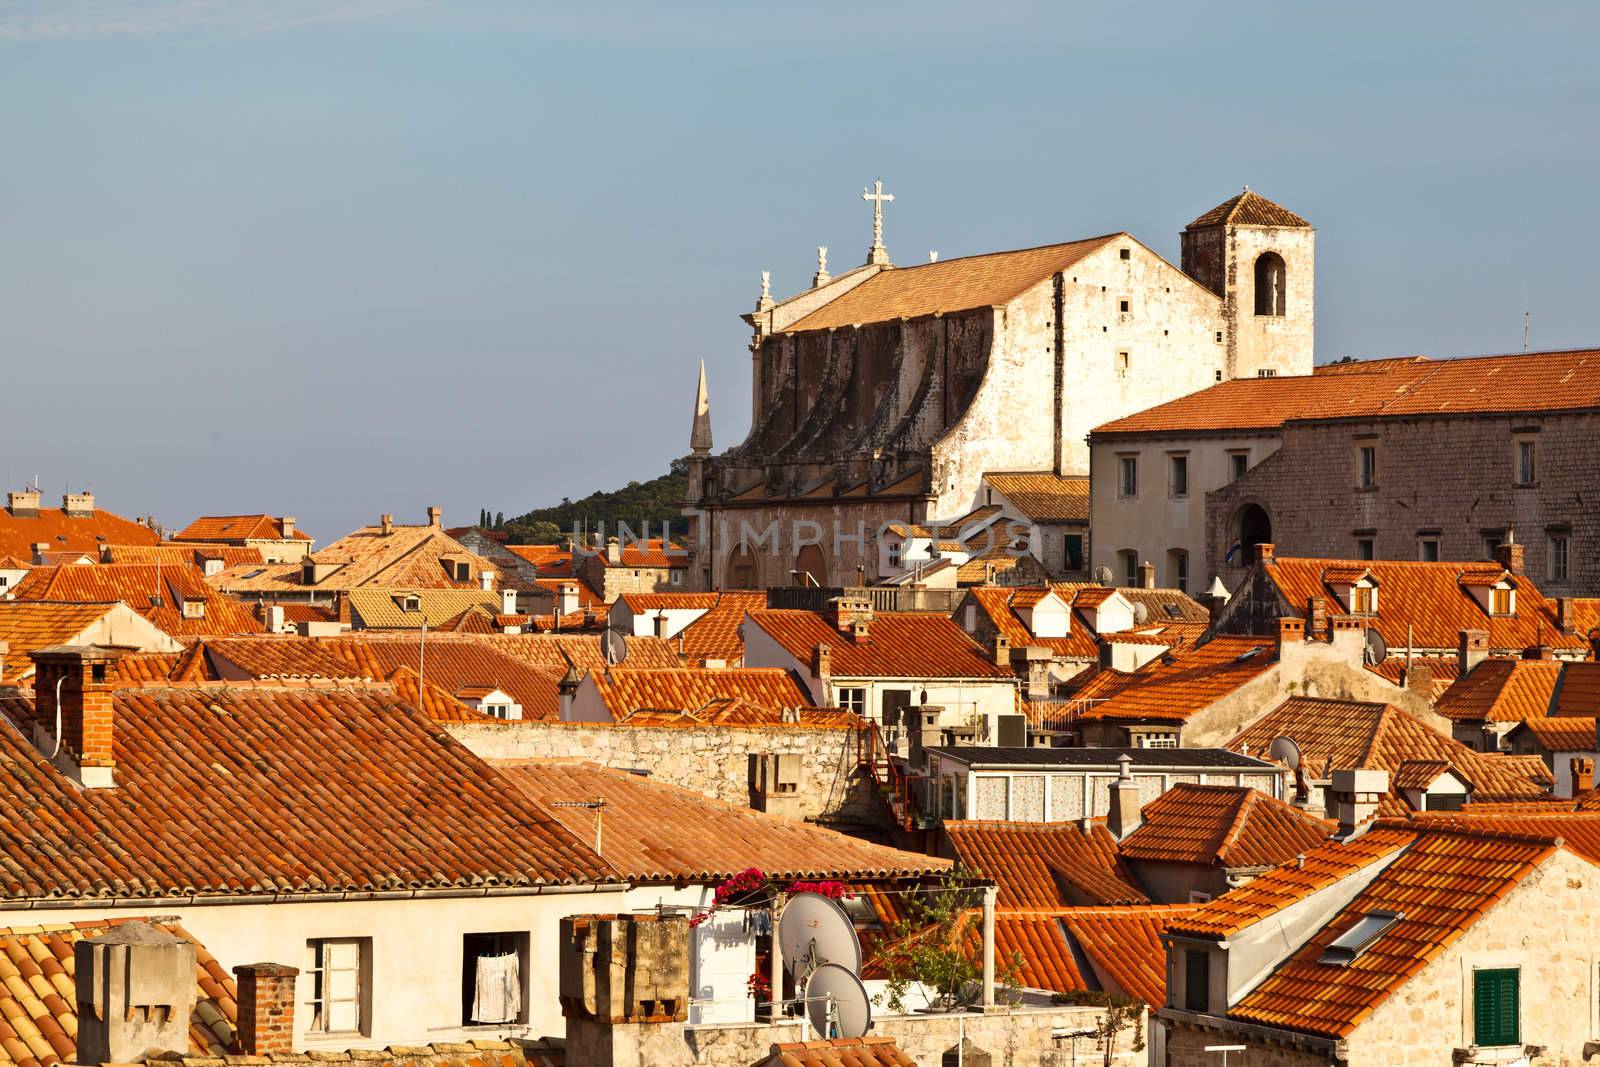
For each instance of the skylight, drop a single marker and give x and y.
(1172, 610)
(1349, 945)
(1256, 651)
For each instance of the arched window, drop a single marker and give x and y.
(1253, 528)
(741, 569)
(810, 568)
(1270, 284)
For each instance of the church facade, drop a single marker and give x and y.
(885, 394)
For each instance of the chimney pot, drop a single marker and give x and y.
(78, 505)
(39, 549)
(1317, 618)
(1002, 651)
(566, 599)
(1124, 816)
(1472, 649)
(85, 677)
(661, 624)
(386, 524)
(822, 662)
(1264, 551)
(508, 601)
(1566, 616)
(435, 516)
(266, 1008)
(1147, 575)
(613, 551)
(124, 978)
(1353, 796)
(286, 524)
(1510, 554)
(1419, 680)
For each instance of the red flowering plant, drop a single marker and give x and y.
(759, 986)
(748, 888)
(831, 890)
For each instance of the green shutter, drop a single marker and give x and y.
(1495, 1007)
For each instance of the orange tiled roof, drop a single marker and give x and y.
(898, 645)
(39, 1014)
(28, 625)
(237, 528)
(627, 689)
(586, 597)
(640, 603)
(172, 555)
(659, 832)
(549, 561)
(65, 533)
(453, 662)
(1441, 884)
(1346, 734)
(1044, 496)
(949, 285)
(290, 790)
(276, 657)
(715, 635)
(651, 552)
(135, 584)
(1443, 669)
(999, 604)
(1501, 690)
(1428, 601)
(1125, 945)
(552, 653)
(408, 557)
(431, 700)
(1229, 826)
(734, 711)
(137, 667)
(1174, 686)
(1249, 209)
(839, 1052)
(1035, 865)
(1579, 830)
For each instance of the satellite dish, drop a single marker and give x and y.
(837, 1003)
(615, 647)
(1377, 648)
(1103, 575)
(813, 931)
(1141, 614)
(1286, 751)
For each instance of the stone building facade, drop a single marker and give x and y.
(1440, 485)
(887, 393)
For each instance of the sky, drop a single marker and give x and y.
(333, 258)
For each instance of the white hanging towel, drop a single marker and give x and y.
(498, 995)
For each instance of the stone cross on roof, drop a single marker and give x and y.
(877, 254)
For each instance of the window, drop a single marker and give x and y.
(1428, 550)
(1368, 475)
(894, 553)
(1556, 565)
(1491, 542)
(1496, 1007)
(676, 578)
(337, 988)
(1128, 476)
(1348, 946)
(411, 603)
(1266, 372)
(1074, 546)
(1527, 465)
(1238, 463)
(853, 698)
(1178, 477)
(492, 970)
(1366, 548)
(1178, 567)
(1500, 601)
(463, 572)
(1196, 980)
(1156, 741)
(1130, 566)
(1124, 306)
(1125, 253)
(1270, 297)
(1363, 600)
(1123, 361)
(1197, 897)
(1219, 341)
(194, 608)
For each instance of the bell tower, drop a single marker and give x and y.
(1260, 258)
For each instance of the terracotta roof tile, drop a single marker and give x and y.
(1578, 691)
(998, 603)
(1174, 686)
(715, 635)
(549, 561)
(1044, 496)
(736, 711)
(651, 552)
(237, 528)
(898, 645)
(552, 653)
(1440, 885)
(156, 592)
(43, 1027)
(381, 608)
(1124, 944)
(839, 1052)
(431, 700)
(1566, 734)
(1249, 209)
(1443, 669)
(1501, 690)
(266, 658)
(1429, 602)
(67, 533)
(454, 662)
(949, 285)
(173, 555)
(28, 625)
(1579, 831)
(659, 832)
(1229, 826)
(1347, 734)
(627, 689)
(280, 791)
(408, 557)
(1046, 865)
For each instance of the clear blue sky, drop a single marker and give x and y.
(341, 257)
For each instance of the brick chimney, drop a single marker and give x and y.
(78, 505)
(1566, 617)
(266, 1008)
(286, 526)
(386, 524)
(1002, 651)
(435, 516)
(1419, 680)
(859, 629)
(822, 662)
(1582, 768)
(1291, 630)
(85, 677)
(1147, 575)
(1124, 817)
(1509, 554)
(1316, 617)
(1472, 649)
(136, 993)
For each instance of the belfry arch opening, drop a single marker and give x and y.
(741, 569)
(1252, 527)
(1271, 281)
(810, 568)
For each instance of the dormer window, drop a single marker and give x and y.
(1363, 600)
(194, 608)
(1502, 600)
(462, 571)
(411, 602)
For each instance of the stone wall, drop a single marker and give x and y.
(714, 761)
(1019, 1037)
(1446, 477)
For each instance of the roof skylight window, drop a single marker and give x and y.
(1348, 946)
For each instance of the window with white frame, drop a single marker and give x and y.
(337, 981)
(1428, 548)
(894, 553)
(676, 578)
(1157, 741)
(853, 698)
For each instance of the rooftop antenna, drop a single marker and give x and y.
(1526, 315)
(597, 805)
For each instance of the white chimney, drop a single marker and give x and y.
(566, 599)
(508, 601)
(1353, 797)
(275, 618)
(486, 579)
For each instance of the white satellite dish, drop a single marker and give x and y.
(1377, 649)
(837, 1003)
(1141, 614)
(1286, 751)
(1103, 575)
(615, 647)
(813, 931)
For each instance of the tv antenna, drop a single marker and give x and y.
(823, 955)
(1526, 315)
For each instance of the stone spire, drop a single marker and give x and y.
(764, 301)
(877, 253)
(822, 277)
(700, 435)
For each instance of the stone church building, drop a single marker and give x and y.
(886, 394)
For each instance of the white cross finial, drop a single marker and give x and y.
(766, 291)
(822, 259)
(878, 254)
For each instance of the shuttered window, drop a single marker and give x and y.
(1196, 980)
(1495, 1007)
